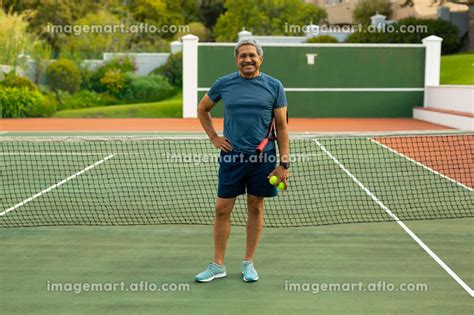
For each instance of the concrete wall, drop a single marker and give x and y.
(458, 98)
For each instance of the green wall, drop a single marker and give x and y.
(345, 104)
(335, 67)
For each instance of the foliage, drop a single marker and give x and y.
(86, 77)
(147, 44)
(46, 108)
(157, 13)
(13, 80)
(266, 17)
(51, 12)
(322, 39)
(83, 99)
(170, 108)
(365, 9)
(57, 12)
(172, 69)
(444, 29)
(440, 28)
(63, 75)
(209, 12)
(22, 102)
(91, 45)
(150, 88)
(114, 69)
(202, 11)
(14, 37)
(197, 29)
(114, 82)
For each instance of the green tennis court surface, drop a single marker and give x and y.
(174, 254)
(364, 179)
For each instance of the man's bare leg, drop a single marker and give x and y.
(222, 227)
(254, 225)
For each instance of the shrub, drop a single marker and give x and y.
(444, 29)
(83, 99)
(46, 108)
(114, 82)
(197, 29)
(107, 99)
(122, 65)
(370, 37)
(440, 28)
(63, 75)
(172, 70)
(150, 88)
(22, 102)
(323, 39)
(12, 80)
(86, 78)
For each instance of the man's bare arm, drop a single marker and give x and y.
(283, 138)
(283, 141)
(203, 111)
(204, 115)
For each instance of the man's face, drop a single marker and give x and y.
(248, 60)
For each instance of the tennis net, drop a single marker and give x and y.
(138, 180)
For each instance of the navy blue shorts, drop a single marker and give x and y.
(240, 173)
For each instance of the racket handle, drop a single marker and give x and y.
(261, 146)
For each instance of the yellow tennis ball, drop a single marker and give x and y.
(273, 180)
(281, 186)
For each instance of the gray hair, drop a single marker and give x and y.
(248, 41)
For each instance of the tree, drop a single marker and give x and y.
(91, 45)
(155, 12)
(209, 11)
(198, 29)
(189, 10)
(14, 37)
(56, 12)
(17, 5)
(265, 17)
(365, 9)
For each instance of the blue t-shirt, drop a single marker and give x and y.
(248, 108)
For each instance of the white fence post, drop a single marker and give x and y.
(176, 46)
(190, 69)
(432, 62)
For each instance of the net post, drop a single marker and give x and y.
(190, 59)
(432, 62)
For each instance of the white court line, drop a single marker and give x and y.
(422, 165)
(440, 262)
(55, 185)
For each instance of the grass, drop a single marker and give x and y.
(169, 108)
(458, 69)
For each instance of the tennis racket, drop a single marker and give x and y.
(269, 137)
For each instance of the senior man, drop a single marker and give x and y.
(252, 101)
